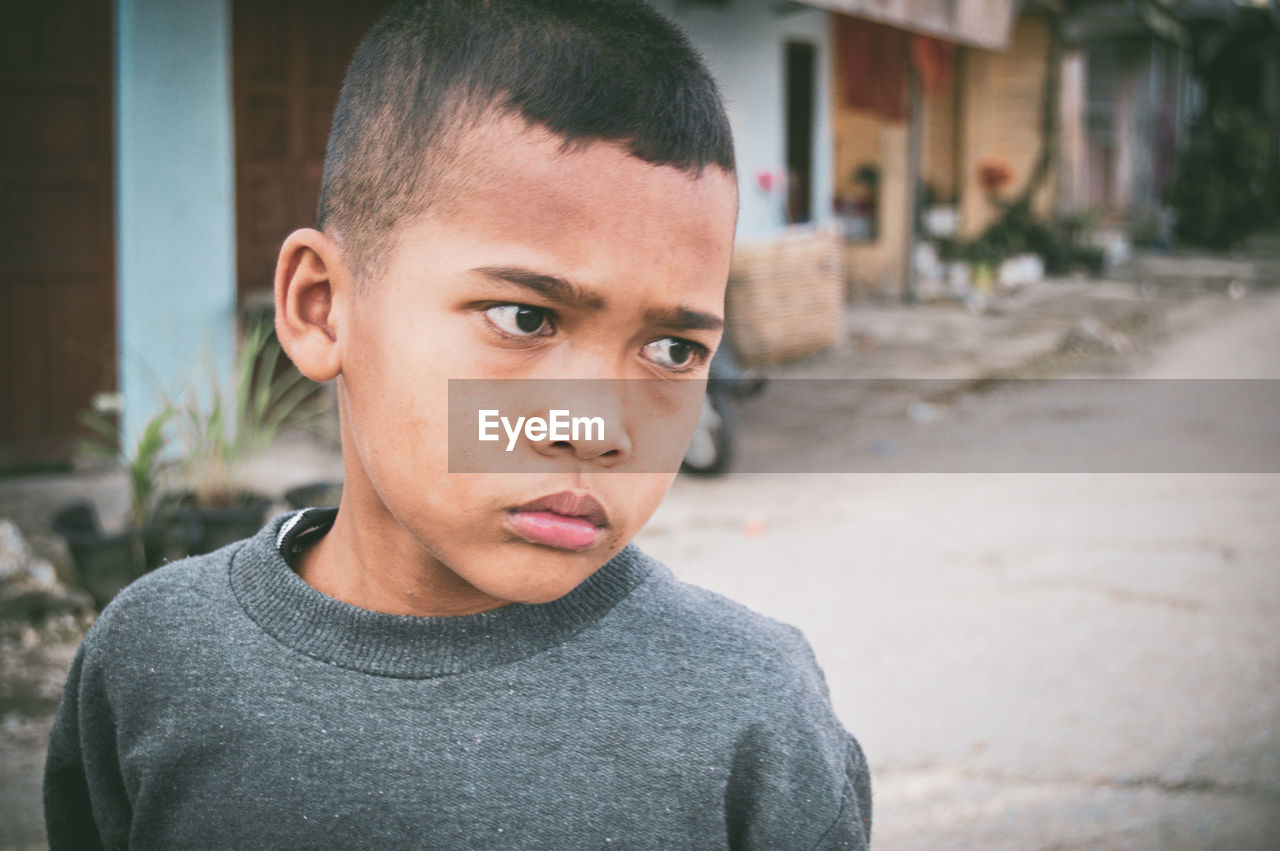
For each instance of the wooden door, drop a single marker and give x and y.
(289, 60)
(800, 75)
(57, 279)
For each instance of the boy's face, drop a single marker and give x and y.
(539, 263)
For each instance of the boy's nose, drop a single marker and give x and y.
(594, 421)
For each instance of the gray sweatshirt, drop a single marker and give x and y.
(221, 702)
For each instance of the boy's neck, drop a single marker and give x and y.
(383, 574)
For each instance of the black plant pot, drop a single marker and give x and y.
(203, 530)
(104, 562)
(314, 495)
(157, 544)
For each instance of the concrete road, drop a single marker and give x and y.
(1030, 660)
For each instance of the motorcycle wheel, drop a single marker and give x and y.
(710, 449)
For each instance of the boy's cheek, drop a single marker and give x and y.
(647, 492)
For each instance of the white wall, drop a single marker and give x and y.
(744, 46)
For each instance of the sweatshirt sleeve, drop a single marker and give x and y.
(852, 827)
(85, 802)
(798, 779)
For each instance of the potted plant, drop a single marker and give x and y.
(222, 432)
(104, 562)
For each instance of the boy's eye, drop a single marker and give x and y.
(520, 320)
(674, 353)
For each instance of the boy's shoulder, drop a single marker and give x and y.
(174, 604)
(189, 579)
(708, 618)
(194, 593)
(668, 622)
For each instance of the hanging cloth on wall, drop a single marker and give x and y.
(873, 67)
(933, 59)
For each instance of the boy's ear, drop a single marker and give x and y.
(312, 293)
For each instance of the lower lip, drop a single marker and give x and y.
(555, 530)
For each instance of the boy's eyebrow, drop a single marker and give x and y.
(683, 319)
(548, 286)
(557, 289)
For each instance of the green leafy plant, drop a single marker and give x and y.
(1017, 231)
(223, 431)
(143, 464)
(993, 176)
(1227, 183)
(867, 175)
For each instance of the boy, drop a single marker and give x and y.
(513, 190)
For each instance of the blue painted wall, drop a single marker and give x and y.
(744, 45)
(175, 205)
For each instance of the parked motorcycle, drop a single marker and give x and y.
(711, 448)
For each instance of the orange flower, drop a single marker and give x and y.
(993, 175)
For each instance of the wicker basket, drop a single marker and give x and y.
(786, 297)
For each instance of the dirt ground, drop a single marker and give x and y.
(33, 664)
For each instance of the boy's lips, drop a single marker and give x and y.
(565, 520)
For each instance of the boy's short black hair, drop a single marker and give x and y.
(613, 70)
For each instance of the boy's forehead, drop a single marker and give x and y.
(505, 154)
(510, 182)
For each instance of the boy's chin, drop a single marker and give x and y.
(544, 575)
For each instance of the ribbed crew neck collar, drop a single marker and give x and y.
(332, 631)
